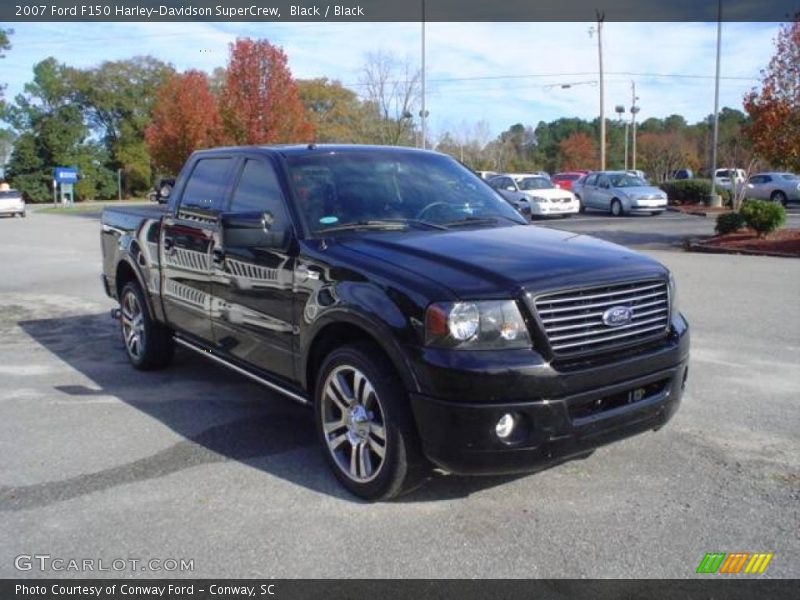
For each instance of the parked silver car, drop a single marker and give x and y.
(619, 193)
(778, 187)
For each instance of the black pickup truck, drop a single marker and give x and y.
(424, 320)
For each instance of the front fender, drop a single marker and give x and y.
(375, 315)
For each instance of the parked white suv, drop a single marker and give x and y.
(11, 202)
(540, 194)
(723, 177)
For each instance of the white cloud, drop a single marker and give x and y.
(546, 54)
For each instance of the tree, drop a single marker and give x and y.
(578, 151)
(774, 130)
(185, 119)
(392, 88)
(336, 112)
(661, 153)
(5, 44)
(260, 102)
(117, 98)
(52, 133)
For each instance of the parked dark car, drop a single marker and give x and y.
(162, 189)
(422, 319)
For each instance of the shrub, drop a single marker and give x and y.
(692, 191)
(762, 216)
(729, 222)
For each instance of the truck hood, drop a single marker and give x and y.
(498, 261)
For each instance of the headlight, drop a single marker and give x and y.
(485, 325)
(539, 199)
(673, 297)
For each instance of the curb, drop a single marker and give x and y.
(709, 249)
(707, 215)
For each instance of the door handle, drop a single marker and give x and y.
(169, 244)
(304, 273)
(218, 256)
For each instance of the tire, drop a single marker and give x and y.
(148, 343)
(23, 215)
(372, 403)
(779, 196)
(581, 207)
(616, 208)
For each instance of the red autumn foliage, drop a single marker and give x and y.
(185, 119)
(774, 111)
(578, 152)
(260, 103)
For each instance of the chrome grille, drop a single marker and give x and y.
(573, 319)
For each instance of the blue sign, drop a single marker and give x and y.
(65, 175)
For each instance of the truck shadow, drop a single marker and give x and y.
(219, 415)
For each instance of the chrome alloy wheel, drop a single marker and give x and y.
(132, 325)
(353, 424)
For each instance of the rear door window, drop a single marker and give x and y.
(207, 184)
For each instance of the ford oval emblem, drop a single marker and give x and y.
(617, 315)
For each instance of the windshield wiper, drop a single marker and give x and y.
(480, 221)
(385, 224)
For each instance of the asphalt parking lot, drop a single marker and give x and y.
(195, 462)
(666, 231)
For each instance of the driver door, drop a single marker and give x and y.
(602, 193)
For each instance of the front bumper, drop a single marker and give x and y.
(541, 209)
(560, 414)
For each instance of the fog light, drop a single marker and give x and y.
(505, 426)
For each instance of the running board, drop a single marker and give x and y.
(273, 386)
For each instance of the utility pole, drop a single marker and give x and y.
(634, 110)
(715, 200)
(600, 18)
(423, 113)
(620, 109)
(119, 183)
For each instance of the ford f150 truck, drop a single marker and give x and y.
(420, 316)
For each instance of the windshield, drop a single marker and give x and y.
(10, 194)
(568, 177)
(337, 189)
(625, 180)
(534, 183)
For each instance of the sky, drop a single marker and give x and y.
(501, 73)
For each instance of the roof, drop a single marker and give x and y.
(302, 149)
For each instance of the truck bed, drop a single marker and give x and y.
(128, 218)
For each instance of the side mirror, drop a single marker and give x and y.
(510, 188)
(253, 230)
(164, 191)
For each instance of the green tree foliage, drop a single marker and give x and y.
(5, 44)
(336, 112)
(53, 133)
(117, 98)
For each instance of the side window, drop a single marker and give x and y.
(258, 190)
(603, 181)
(206, 185)
(766, 178)
(756, 179)
(591, 180)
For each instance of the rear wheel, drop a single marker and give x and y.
(616, 208)
(779, 196)
(365, 425)
(149, 344)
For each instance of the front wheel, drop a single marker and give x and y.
(581, 206)
(365, 425)
(779, 196)
(149, 344)
(616, 208)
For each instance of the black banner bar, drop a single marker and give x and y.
(395, 10)
(714, 586)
